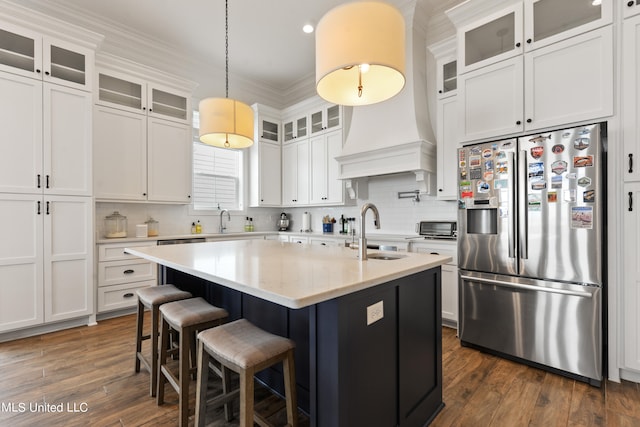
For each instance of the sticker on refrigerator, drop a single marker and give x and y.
(537, 152)
(483, 187)
(466, 194)
(475, 173)
(501, 155)
(559, 167)
(487, 153)
(502, 167)
(556, 181)
(571, 175)
(488, 165)
(538, 183)
(582, 161)
(475, 150)
(506, 145)
(536, 169)
(552, 197)
(534, 202)
(488, 176)
(581, 143)
(589, 196)
(539, 139)
(504, 212)
(557, 149)
(585, 181)
(499, 184)
(474, 161)
(582, 217)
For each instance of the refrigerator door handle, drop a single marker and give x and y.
(523, 213)
(527, 287)
(512, 205)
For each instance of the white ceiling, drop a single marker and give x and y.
(267, 46)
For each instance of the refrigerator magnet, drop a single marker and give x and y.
(581, 143)
(571, 175)
(502, 167)
(475, 150)
(483, 187)
(501, 155)
(559, 167)
(537, 152)
(538, 183)
(589, 196)
(556, 181)
(474, 161)
(499, 184)
(534, 202)
(466, 194)
(582, 161)
(585, 181)
(552, 197)
(570, 196)
(506, 145)
(582, 217)
(557, 149)
(536, 169)
(487, 153)
(539, 139)
(488, 165)
(488, 176)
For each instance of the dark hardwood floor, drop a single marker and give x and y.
(87, 373)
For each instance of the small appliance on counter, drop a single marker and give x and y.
(283, 222)
(115, 226)
(444, 230)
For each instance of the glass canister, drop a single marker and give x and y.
(115, 225)
(153, 228)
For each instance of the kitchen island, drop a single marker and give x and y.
(368, 334)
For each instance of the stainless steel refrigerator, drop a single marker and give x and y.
(531, 245)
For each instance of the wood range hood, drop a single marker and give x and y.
(394, 136)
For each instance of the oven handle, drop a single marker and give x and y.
(527, 287)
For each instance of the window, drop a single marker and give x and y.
(217, 173)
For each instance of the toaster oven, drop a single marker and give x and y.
(437, 229)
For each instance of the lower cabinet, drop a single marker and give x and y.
(631, 280)
(121, 274)
(46, 259)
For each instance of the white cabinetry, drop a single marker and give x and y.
(631, 8)
(326, 187)
(504, 92)
(295, 127)
(142, 137)
(630, 98)
(46, 270)
(121, 274)
(295, 173)
(325, 118)
(265, 160)
(631, 279)
(449, 276)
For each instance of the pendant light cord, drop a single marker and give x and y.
(226, 46)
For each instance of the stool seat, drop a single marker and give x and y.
(187, 317)
(152, 298)
(243, 344)
(189, 312)
(245, 349)
(157, 295)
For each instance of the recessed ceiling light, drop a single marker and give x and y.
(308, 28)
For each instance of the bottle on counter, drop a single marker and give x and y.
(250, 224)
(193, 228)
(247, 226)
(198, 227)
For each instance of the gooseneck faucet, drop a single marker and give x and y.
(362, 242)
(222, 228)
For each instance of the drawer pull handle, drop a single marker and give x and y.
(434, 253)
(128, 295)
(129, 271)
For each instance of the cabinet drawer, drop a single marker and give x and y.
(116, 273)
(115, 251)
(120, 296)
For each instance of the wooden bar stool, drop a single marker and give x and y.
(152, 298)
(187, 317)
(246, 349)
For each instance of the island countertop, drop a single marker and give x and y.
(289, 274)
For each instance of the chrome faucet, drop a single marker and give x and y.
(362, 242)
(222, 228)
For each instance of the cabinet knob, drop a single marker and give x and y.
(630, 3)
(518, 44)
(529, 41)
(38, 70)
(518, 123)
(440, 91)
(129, 271)
(144, 194)
(440, 190)
(47, 73)
(529, 120)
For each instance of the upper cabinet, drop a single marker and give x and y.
(137, 95)
(38, 56)
(631, 8)
(268, 129)
(265, 159)
(326, 118)
(295, 127)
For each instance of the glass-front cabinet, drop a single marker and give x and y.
(326, 118)
(269, 130)
(295, 128)
(31, 54)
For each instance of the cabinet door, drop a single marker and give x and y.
(268, 130)
(166, 103)
(270, 167)
(67, 64)
(450, 294)
(447, 152)
(492, 39)
(68, 257)
(21, 51)
(67, 141)
(295, 174)
(21, 261)
(570, 81)
(447, 76)
(121, 91)
(630, 98)
(120, 154)
(631, 288)
(20, 134)
(491, 100)
(326, 186)
(550, 21)
(169, 161)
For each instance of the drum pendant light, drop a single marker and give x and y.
(360, 53)
(225, 122)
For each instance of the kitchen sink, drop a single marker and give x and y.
(386, 257)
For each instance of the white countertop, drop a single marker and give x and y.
(288, 274)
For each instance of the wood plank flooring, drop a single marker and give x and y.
(87, 374)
